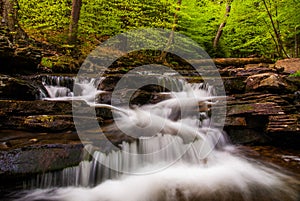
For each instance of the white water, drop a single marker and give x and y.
(222, 177)
(177, 156)
(60, 90)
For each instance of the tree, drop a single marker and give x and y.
(262, 27)
(171, 37)
(222, 25)
(199, 20)
(9, 19)
(276, 29)
(75, 14)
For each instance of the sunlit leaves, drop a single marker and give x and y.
(248, 29)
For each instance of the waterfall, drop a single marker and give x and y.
(61, 87)
(177, 155)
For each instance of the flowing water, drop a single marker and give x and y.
(177, 155)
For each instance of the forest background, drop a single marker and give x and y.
(232, 28)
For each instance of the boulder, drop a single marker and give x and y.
(39, 158)
(17, 89)
(271, 82)
(19, 166)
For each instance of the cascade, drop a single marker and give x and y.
(176, 155)
(61, 87)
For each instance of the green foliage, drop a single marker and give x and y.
(297, 74)
(245, 32)
(49, 20)
(45, 15)
(248, 29)
(200, 20)
(107, 18)
(46, 62)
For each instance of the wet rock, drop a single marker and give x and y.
(230, 71)
(49, 116)
(248, 70)
(109, 83)
(255, 109)
(37, 159)
(256, 66)
(37, 107)
(41, 123)
(234, 85)
(5, 145)
(25, 154)
(152, 83)
(104, 98)
(49, 123)
(131, 97)
(19, 165)
(18, 89)
(295, 81)
(246, 136)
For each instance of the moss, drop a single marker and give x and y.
(46, 62)
(39, 119)
(45, 118)
(297, 74)
(58, 64)
(246, 107)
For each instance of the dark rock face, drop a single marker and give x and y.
(39, 158)
(38, 115)
(263, 118)
(263, 106)
(18, 59)
(18, 89)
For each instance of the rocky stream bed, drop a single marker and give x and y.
(37, 136)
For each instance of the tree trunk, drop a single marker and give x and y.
(9, 19)
(73, 29)
(220, 30)
(171, 37)
(296, 42)
(276, 32)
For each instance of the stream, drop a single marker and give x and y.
(177, 153)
